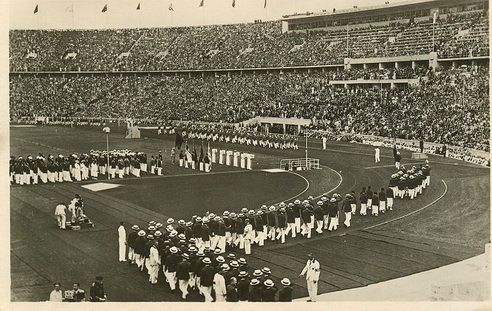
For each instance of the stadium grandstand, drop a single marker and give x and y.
(369, 80)
(314, 70)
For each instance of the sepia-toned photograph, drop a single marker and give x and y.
(248, 151)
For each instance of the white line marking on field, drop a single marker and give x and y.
(391, 165)
(274, 170)
(339, 183)
(415, 211)
(300, 193)
(100, 186)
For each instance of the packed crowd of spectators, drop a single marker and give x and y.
(380, 74)
(448, 107)
(260, 44)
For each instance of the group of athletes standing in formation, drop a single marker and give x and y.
(242, 136)
(77, 167)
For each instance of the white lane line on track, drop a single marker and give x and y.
(339, 182)
(300, 193)
(415, 211)
(308, 185)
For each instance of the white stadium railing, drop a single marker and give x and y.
(299, 164)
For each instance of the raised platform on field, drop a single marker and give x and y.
(418, 155)
(299, 164)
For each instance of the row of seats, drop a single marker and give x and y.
(241, 45)
(448, 107)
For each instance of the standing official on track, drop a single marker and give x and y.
(122, 242)
(311, 271)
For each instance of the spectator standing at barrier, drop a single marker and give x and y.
(311, 271)
(97, 290)
(56, 294)
(77, 294)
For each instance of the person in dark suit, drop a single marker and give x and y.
(97, 290)
(207, 279)
(183, 271)
(243, 286)
(171, 264)
(285, 294)
(232, 292)
(269, 291)
(421, 145)
(255, 292)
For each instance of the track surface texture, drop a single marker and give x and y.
(448, 223)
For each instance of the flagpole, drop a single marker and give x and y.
(434, 19)
(433, 36)
(348, 40)
(73, 20)
(139, 16)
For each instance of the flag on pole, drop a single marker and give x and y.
(194, 156)
(202, 2)
(233, 3)
(187, 153)
(265, 4)
(105, 8)
(179, 139)
(138, 6)
(171, 7)
(206, 158)
(200, 159)
(36, 9)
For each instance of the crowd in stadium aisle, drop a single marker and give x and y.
(80, 167)
(411, 113)
(243, 45)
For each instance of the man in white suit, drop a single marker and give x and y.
(61, 217)
(220, 287)
(311, 271)
(122, 242)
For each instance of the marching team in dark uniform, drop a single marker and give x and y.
(191, 254)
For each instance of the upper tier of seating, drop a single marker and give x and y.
(242, 45)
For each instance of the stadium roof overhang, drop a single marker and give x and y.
(390, 8)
